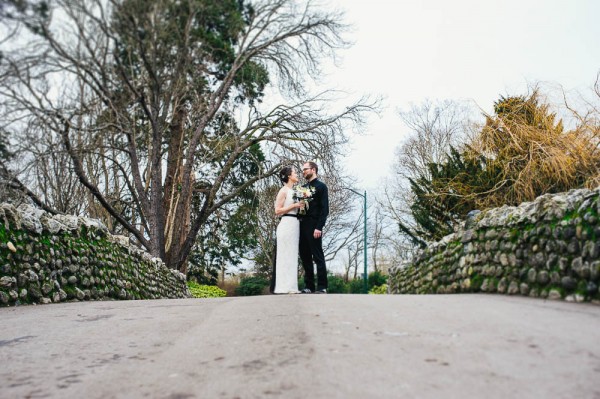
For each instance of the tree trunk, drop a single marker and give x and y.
(176, 229)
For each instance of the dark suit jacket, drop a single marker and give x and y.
(318, 208)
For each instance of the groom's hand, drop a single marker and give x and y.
(317, 233)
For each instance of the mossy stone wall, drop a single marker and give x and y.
(548, 248)
(46, 259)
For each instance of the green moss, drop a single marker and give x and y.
(515, 233)
(70, 291)
(3, 233)
(570, 216)
(45, 240)
(454, 244)
(529, 226)
(582, 288)
(476, 282)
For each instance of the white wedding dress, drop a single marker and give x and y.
(288, 236)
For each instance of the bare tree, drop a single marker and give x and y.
(266, 226)
(352, 259)
(585, 110)
(51, 169)
(434, 128)
(378, 240)
(342, 223)
(158, 99)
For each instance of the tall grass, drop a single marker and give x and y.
(532, 153)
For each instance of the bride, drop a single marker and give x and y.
(288, 234)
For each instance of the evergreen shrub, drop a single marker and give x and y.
(336, 285)
(356, 286)
(376, 279)
(254, 285)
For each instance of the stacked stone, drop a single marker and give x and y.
(548, 248)
(46, 259)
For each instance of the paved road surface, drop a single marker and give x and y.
(303, 346)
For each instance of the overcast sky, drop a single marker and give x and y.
(474, 50)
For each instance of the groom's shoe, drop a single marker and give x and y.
(323, 291)
(306, 291)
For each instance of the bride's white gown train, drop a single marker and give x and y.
(288, 237)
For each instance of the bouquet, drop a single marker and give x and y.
(303, 194)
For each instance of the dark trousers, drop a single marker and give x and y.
(311, 248)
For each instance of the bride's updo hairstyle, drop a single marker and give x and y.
(284, 174)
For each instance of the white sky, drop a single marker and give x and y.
(475, 50)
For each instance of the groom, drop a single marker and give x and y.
(311, 232)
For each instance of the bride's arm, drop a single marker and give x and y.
(280, 200)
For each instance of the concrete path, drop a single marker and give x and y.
(303, 346)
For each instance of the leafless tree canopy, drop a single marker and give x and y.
(147, 110)
(433, 127)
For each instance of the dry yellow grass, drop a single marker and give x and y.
(229, 286)
(533, 153)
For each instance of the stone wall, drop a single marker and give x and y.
(45, 258)
(547, 248)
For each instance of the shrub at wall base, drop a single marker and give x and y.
(45, 258)
(548, 248)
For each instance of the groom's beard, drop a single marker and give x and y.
(308, 176)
